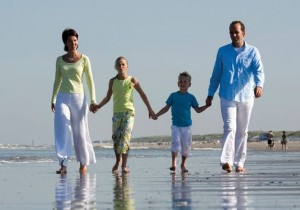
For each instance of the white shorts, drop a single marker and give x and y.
(181, 140)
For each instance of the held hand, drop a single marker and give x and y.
(152, 115)
(53, 107)
(94, 108)
(209, 101)
(258, 91)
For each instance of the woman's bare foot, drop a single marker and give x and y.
(226, 167)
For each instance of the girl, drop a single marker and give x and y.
(121, 87)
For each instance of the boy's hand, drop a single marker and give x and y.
(94, 108)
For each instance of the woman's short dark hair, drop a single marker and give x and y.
(65, 34)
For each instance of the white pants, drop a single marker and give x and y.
(71, 125)
(181, 140)
(236, 117)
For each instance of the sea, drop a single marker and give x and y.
(28, 181)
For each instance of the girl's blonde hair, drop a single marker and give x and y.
(118, 60)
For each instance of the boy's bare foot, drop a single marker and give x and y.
(62, 170)
(226, 167)
(240, 169)
(184, 170)
(173, 168)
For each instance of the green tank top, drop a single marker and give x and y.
(123, 95)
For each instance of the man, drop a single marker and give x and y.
(238, 70)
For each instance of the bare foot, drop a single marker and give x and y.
(125, 170)
(173, 168)
(226, 167)
(62, 170)
(114, 169)
(83, 169)
(240, 169)
(184, 170)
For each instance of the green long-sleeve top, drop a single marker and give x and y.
(68, 77)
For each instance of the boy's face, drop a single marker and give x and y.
(183, 83)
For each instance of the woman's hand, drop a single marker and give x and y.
(53, 107)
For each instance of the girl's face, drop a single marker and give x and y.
(72, 43)
(122, 66)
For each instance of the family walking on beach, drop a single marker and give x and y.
(238, 73)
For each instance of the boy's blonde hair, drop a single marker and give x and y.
(185, 74)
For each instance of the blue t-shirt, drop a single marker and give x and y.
(181, 104)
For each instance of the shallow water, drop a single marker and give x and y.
(272, 181)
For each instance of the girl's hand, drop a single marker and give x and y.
(94, 108)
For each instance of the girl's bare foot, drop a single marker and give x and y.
(114, 169)
(125, 170)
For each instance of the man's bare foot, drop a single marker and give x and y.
(83, 169)
(240, 169)
(226, 167)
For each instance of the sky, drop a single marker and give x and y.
(160, 39)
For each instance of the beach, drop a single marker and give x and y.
(272, 181)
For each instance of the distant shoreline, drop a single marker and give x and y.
(258, 146)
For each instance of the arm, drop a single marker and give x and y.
(108, 94)
(143, 96)
(163, 111)
(200, 109)
(56, 86)
(259, 75)
(91, 85)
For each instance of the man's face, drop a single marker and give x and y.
(237, 35)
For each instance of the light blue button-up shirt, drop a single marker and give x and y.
(237, 73)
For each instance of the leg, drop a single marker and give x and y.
(175, 145)
(228, 110)
(124, 163)
(62, 132)
(117, 164)
(183, 168)
(243, 118)
(82, 142)
(186, 143)
(174, 156)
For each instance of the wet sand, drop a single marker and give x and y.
(272, 181)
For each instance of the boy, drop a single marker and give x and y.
(181, 103)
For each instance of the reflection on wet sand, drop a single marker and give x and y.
(234, 192)
(83, 196)
(181, 193)
(123, 193)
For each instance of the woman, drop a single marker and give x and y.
(70, 106)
